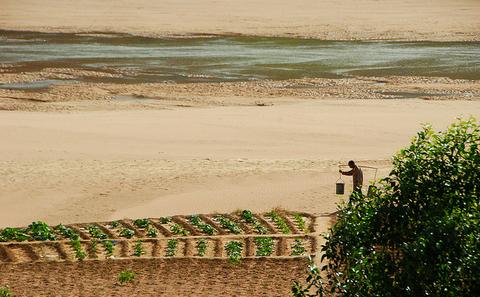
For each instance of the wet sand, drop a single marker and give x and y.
(439, 20)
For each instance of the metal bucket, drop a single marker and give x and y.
(340, 187)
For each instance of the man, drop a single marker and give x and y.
(357, 176)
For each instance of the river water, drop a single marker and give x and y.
(236, 58)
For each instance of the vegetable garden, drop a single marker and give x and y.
(234, 236)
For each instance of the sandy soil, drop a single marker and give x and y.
(95, 166)
(326, 19)
(104, 96)
(156, 277)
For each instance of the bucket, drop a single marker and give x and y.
(340, 187)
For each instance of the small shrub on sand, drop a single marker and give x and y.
(126, 276)
(6, 292)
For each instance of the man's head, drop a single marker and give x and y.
(351, 164)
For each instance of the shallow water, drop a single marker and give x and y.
(34, 85)
(237, 58)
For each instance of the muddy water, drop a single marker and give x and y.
(235, 58)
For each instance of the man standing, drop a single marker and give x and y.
(357, 175)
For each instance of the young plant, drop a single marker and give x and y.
(265, 246)
(172, 247)
(300, 222)
(206, 228)
(96, 232)
(40, 231)
(127, 233)
(249, 218)
(152, 232)
(259, 228)
(14, 234)
(109, 247)
(297, 248)
(179, 230)
(93, 246)
(234, 251)
(142, 223)
(67, 232)
(281, 224)
(6, 292)
(201, 247)
(228, 224)
(138, 250)
(115, 224)
(77, 247)
(126, 276)
(165, 220)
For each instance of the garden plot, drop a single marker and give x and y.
(234, 236)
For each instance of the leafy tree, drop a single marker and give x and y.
(418, 233)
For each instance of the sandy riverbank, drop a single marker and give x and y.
(88, 166)
(147, 96)
(439, 20)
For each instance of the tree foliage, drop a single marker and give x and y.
(418, 233)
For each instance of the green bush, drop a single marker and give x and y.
(418, 233)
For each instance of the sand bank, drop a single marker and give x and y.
(88, 166)
(327, 19)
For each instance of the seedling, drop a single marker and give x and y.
(115, 224)
(228, 224)
(152, 232)
(234, 251)
(6, 292)
(93, 246)
(171, 247)
(165, 220)
(138, 249)
(126, 276)
(96, 232)
(279, 222)
(77, 247)
(14, 234)
(265, 246)
(40, 231)
(201, 247)
(109, 247)
(300, 222)
(127, 233)
(179, 230)
(142, 223)
(259, 228)
(297, 248)
(249, 218)
(67, 232)
(206, 228)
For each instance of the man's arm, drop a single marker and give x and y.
(346, 172)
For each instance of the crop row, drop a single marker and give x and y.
(232, 248)
(242, 222)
